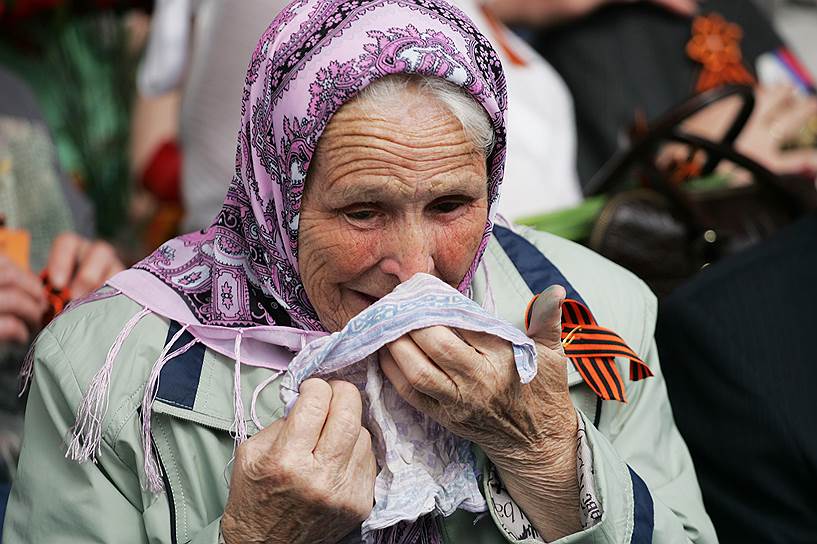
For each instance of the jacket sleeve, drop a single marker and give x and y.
(57, 500)
(644, 476)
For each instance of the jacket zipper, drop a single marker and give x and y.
(168, 491)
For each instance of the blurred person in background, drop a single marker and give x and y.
(629, 62)
(540, 172)
(48, 226)
(740, 374)
(795, 21)
(190, 83)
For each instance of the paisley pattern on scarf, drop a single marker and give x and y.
(315, 56)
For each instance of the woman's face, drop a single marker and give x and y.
(390, 193)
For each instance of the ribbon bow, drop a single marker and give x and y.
(592, 349)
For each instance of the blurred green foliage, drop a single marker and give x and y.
(82, 68)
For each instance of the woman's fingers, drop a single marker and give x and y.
(545, 317)
(420, 401)
(421, 370)
(342, 427)
(306, 419)
(487, 344)
(448, 351)
(363, 462)
(98, 263)
(63, 258)
(362, 470)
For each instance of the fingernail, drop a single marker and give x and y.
(529, 311)
(532, 306)
(58, 280)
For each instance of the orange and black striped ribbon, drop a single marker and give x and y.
(592, 349)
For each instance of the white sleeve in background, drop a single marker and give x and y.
(225, 34)
(540, 169)
(165, 58)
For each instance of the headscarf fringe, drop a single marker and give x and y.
(94, 296)
(239, 427)
(86, 434)
(26, 371)
(260, 387)
(153, 478)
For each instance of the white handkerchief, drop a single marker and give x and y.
(423, 467)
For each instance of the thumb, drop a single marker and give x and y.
(269, 434)
(543, 318)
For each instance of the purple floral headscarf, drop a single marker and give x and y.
(315, 56)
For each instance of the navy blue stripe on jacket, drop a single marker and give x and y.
(536, 270)
(179, 379)
(643, 511)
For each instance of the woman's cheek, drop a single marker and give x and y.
(352, 252)
(457, 245)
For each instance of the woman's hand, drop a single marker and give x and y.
(22, 302)
(308, 478)
(468, 383)
(80, 264)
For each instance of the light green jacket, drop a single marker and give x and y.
(55, 500)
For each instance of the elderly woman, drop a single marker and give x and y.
(371, 149)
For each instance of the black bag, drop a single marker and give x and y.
(664, 231)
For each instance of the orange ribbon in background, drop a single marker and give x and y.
(715, 44)
(58, 299)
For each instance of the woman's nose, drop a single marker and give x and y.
(405, 268)
(412, 253)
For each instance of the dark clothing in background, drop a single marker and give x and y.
(736, 349)
(623, 59)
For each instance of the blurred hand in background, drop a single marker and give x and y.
(22, 302)
(545, 12)
(75, 263)
(81, 265)
(781, 113)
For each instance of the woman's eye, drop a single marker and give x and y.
(448, 206)
(361, 214)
